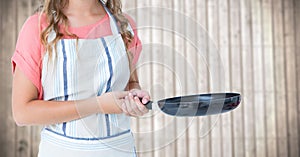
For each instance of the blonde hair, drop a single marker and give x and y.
(55, 17)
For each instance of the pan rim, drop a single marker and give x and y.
(232, 96)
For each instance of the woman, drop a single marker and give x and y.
(74, 74)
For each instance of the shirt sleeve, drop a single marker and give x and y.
(135, 46)
(27, 55)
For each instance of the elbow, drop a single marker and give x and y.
(18, 120)
(19, 124)
(19, 117)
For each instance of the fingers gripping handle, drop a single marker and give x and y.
(148, 104)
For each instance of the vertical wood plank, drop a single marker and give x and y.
(247, 59)
(35, 4)
(128, 5)
(297, 41)
(180, 86)
(158, 82)
(259, 106)
(269, 82)
(169, 79)
(8, 40)
(203, 75)
(290, 77)
(226, 126)
(215, 79)
(35, 140)
(146, 144)
(191, 73)
(280, 81)
(236, 76)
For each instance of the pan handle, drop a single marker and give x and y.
(148, 105)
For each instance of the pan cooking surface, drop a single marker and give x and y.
(200, 105)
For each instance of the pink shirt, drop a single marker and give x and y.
(29, 51)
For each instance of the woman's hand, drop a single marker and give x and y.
(132, 105)
(141, 94)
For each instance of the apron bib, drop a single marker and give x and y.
(81, 69)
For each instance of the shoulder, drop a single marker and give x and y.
(29, 44)
(132, 24)
(135, 47)
(35, 23)
(31, 29)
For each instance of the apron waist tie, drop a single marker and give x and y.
(109, 142)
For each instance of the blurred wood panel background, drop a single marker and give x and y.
(258, 42)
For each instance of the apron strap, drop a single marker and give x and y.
(113, 23)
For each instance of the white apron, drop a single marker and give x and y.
(100, 65)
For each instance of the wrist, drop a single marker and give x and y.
(134, 86)
(110, 103)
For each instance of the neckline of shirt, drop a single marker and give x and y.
(86, 27)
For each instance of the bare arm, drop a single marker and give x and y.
(27, 110)
(134, 81)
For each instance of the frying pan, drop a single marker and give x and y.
(197, 105)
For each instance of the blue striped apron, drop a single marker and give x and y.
(82, 69)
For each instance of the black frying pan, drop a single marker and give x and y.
(197, 105)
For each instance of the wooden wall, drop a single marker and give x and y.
(259, 46)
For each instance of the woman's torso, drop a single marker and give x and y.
(82, 69)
